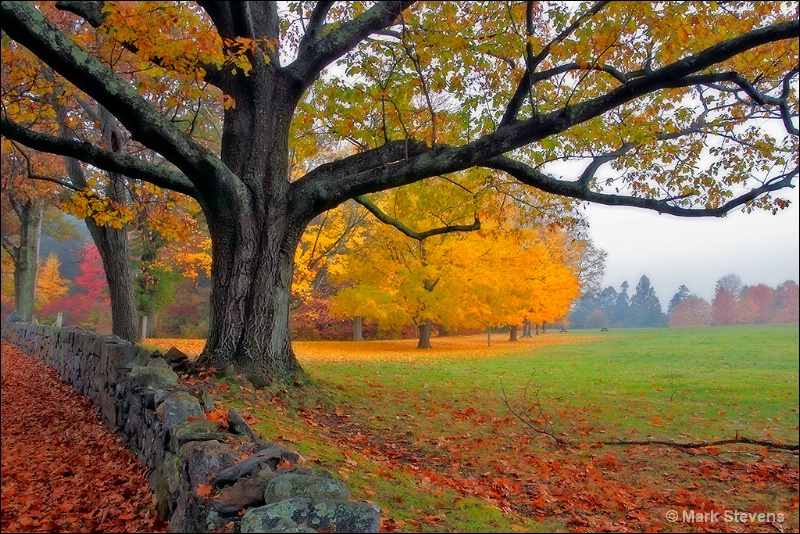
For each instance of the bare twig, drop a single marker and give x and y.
(541, 424)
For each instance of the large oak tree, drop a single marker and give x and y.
(684, 108)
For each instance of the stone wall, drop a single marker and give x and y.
(198, 478)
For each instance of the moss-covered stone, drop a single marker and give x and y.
(154, 377)
(201, 430)
(341, 516)
(296, 485)
(177, 408)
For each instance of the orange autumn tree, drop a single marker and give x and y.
(683, 108)
(457, 280)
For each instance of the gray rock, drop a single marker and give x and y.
(268, 456)
(253, 523)
(341, 516)
(153, 376)
(238, 425)
(207, 400)
(245, 493)
(303, 471)
(291, 485)
(158, 363)
(202, 430)
(172, 470)
(174, 355)
(205, 460)
(162, 394)
(214, 520)
(178, 408)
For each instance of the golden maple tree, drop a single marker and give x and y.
(49, 283)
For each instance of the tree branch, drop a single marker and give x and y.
(541, 424)
(10, 248)
(332, 184)
(532, 62)
(579, 190)
(26, 25)
(42, 177)
(315, 24)
(128, 165)
(321, 52)
(419, 236)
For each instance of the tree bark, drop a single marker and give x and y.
(526, 329)
(250, 297)
(25, 257)
(254, 235)
(114, 249)
(512, 333)
(357, 329)
(425, 335)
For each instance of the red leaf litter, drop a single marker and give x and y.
(62, 469)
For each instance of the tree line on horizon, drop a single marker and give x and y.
(733, 304)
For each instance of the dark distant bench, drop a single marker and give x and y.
(563, 330)
(604, 329)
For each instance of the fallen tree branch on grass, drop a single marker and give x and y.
(533, 416)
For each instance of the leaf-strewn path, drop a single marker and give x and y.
(62, 470)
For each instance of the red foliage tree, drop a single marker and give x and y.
(756, 305)
(725, 306)
(786, 307)
(89, 305)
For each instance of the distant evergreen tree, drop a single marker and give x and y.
(645, 308)
(619, 313)
(606, 300)
(679, 297)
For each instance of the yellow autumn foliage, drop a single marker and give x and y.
(49, 284)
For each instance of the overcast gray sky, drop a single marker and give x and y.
(759, 247)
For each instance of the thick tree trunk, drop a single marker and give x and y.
(26, 258)
(357, 329)
(114, 249)
(512, 333)
(249, 326)
(254, 233)
(425, 335)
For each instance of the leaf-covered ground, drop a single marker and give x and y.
(62, 470)
(426, 436)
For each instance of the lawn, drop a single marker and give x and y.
(427, 435)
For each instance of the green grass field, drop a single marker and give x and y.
(427, 435)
